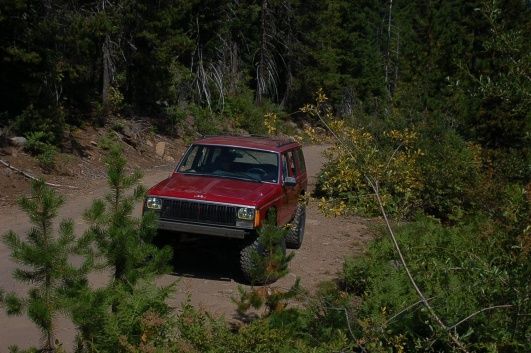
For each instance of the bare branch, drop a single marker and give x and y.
(409, 307)
(29, 176)
(505, 306)
(393, 156)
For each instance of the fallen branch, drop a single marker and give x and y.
(406, 309)
(421, 295)
(479, 312)
(29, 176)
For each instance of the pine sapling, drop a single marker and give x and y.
(122, 245)
(123, 242)
(44, 259)
(269, 263)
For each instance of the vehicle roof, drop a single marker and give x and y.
(277, 144)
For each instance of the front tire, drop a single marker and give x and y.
(250, 257)
(296, 233)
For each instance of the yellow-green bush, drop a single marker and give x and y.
(414, 170)
(393, 164)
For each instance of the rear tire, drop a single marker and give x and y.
(296, 233)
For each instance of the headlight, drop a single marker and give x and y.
(153, 203)
(246, 213)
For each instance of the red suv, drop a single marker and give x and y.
(225, 186)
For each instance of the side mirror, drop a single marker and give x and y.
(290, 181)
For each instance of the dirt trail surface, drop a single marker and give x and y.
(207, 269)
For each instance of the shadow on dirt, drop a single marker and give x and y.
(205, 257)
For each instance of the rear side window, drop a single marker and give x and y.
(300, 159)
(292, 164)
(285, 165)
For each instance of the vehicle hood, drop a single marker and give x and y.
(214, 189)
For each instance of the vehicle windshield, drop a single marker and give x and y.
(231, 162)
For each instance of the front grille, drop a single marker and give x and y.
(198, 212)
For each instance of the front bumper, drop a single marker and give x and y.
(193, 228)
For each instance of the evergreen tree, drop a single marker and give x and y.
(45, 262)
(122, 245)
(265, 261)
(122, 241)
(494, 96)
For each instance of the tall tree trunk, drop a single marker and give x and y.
(107, 71)
(290, 42)
(260, 70)
(388, 53)
(234, 68)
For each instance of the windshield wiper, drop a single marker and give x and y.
(240, 177)
(253, 177)
(246, 177)
(196, 173)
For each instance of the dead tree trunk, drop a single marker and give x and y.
(261, 69)
(388, 53)
(107, 71)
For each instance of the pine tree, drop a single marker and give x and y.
(122, 245)
(44, 259)
(123, 242)
(266, 261)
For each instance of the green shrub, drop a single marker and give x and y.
(174, 118)
(354, 275)
(191, 120)
(268, 263)
(47, 158)
(510, 164)
(141, 320)
(243, 111)
(206, 122)
(461, 270)
(283, 332)
(118, 125)
(273, 262)
(50, 122)
(38, 144)
(108, 141)
(44, 258)
(451, 169)
(247, 115)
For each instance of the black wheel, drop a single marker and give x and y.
(249, 263)
(296, 233)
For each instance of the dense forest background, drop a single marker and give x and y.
(430, 101)
(463, 63)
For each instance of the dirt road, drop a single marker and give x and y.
(207, 269)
